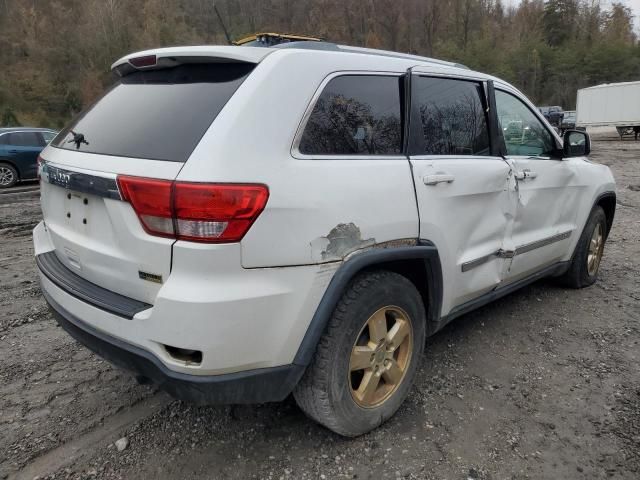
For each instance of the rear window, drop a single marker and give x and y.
(356, 115)
(157, 114)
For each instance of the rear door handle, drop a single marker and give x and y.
(13, 151)
(526, 174)
(438, 178)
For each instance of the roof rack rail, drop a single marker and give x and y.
(407, 56)
(322, 45)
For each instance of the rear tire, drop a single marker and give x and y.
(8, 175)
(367, 358)
(583, 270)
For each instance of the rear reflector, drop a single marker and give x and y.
(198, 212)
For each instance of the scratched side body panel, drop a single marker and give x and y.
(593, 180)
(547, 208)
(551, 208)
(552, 211)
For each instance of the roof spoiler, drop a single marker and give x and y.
(171, 57)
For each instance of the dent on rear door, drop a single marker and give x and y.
(469, 220)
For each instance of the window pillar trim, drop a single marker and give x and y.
(498, 148)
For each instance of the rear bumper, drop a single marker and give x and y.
(86, 291)
(251, 386)
(240, 320)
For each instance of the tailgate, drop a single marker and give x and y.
(146, 125)
(97, 235)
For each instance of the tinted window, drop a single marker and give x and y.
(356, 115)
(523, 132)
(449, 117)
(48, 136)
(25, 139)
(4, 139)
(157, 114)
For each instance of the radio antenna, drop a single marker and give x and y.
(224, 27)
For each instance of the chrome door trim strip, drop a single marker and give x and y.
(477, 262)
(542, 243)
(466, 266)
(102, 186)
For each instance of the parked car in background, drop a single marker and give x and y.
(233, 252)
(568, 121)
(553, 114)
(19, 150)
(610, 104)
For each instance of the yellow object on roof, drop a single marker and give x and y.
(276, 38)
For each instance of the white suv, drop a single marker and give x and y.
(236, 223)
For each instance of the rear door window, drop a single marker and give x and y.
(156, 114)
(448, 117)
(356, 115)
(25, 139)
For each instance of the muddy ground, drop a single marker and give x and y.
(543, 384)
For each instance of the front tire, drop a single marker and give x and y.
(583, 270)
(8, 175)
(367, 358)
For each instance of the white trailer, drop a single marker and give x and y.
(610, 104)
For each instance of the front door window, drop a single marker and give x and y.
(524, 134)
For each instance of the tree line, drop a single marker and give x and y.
(56, 54)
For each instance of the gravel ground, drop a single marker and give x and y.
(541, 384)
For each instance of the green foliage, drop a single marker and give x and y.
(56, 54)
(9, 118)
(559, 21)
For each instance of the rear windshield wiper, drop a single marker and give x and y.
(78, 139)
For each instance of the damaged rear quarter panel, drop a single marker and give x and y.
(343, 239)
(323, 210)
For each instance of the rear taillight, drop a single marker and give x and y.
(151, 199)
(223, 212)
(198, 212)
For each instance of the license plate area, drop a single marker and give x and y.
(77, 210)
(94, 233)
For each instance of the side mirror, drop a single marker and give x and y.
(576, 143)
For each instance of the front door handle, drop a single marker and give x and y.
(525, 174)
(13, 151)
(438, 178)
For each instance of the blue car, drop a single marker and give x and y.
(19, 150)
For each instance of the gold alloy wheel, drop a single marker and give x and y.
(596, 247)
(380, 357)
